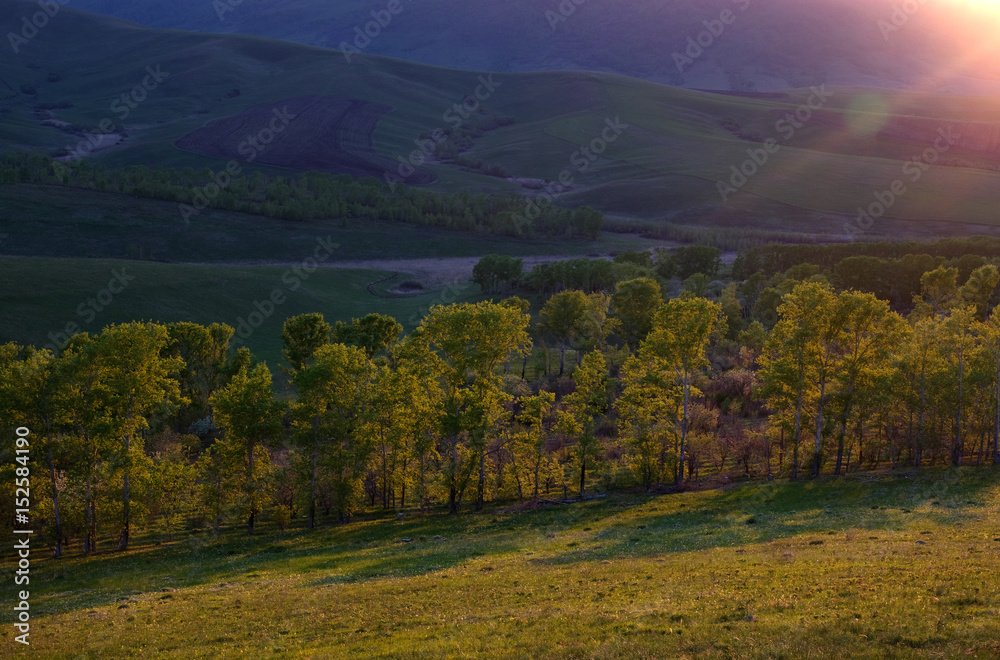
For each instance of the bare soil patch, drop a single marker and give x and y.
(327, 134)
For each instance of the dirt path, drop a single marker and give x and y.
(437, 271)
(431, 272)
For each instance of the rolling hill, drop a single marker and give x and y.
(809, 159)
(766, 45)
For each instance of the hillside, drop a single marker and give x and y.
(770, 44)
(868, 566)
(627, 147)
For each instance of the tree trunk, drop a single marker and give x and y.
(819, 427)
(385, 476)
(840, 444)
(538, 466)
(55, 496)
(452, 485)
(684, 427)
(517, 477)
(956, 450)
(996, 421)
(252, 492)
(420, 486)
(123, 539)
(919, 453)
(90, 539)
(126, 498)
(781, 448)
(481, 487)
(843, 429)
(312, 480)
(798, 433)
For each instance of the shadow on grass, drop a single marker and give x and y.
(762, 513)
(622, 525)
(365, 550)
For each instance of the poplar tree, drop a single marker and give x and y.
(793, 357)
(138, 382)
(251, 420)
(470, 342)
(584, 408)
(680, 336)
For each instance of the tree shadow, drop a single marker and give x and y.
(367, 550)
(625, 526)
(764, 513)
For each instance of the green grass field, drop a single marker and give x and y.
(52, 221)
(873, 566)
(41, 296)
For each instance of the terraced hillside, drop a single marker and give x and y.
(321, 133)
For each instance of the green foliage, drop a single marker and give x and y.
(302, 336)
(636, 303)
(584, 408)
(696, 259)
(563, 318)
(312, 196)
(498, 273)
(373, 333)
(644, 258)
(777, 258)
(250, 418)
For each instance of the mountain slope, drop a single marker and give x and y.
(765, 45)
(626, 146)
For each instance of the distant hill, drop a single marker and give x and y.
(945, 45)
(107, 90)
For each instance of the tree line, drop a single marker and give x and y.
(163, 427)
(311, 196)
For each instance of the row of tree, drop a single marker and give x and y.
(165, 425)
(311, 196)
(779, 257)
(500, 274)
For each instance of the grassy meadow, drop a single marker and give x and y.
(899, 565)
(43, 295)
(52, 221)
(61, 247)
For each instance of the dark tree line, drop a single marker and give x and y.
(311, 196)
